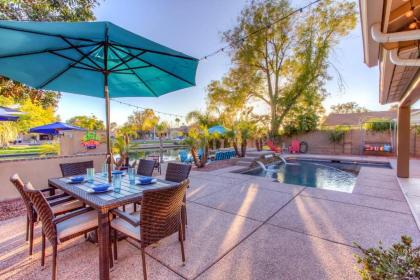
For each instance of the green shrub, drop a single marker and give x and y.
(400, 261)
(336, 135)
(379, 125)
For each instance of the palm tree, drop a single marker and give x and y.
(198, 136)
(161, 130)
(177, 120)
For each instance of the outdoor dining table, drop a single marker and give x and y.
(103, 203)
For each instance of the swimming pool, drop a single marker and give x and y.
(325, 174)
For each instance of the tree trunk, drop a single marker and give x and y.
(195, 157)
(161, 148)
(243, 148)
(235, 147)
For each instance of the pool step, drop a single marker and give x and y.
(243, 163)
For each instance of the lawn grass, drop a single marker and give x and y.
(26, 149)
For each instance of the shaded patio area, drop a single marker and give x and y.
(242, 227)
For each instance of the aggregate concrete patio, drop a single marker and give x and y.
(242, 227)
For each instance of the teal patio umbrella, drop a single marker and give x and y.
(96, 59)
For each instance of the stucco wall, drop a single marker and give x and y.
(37, 171)
(319, 143)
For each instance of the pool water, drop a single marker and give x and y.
(169, 154)
(331, 175)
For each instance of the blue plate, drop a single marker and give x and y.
(147, 181)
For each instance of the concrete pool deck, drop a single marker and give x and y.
(243, 227)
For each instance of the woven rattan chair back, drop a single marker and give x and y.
(160, 214)
(75, 168)
(17, 182)
(44, 211)
(146, 167)
(177, 172)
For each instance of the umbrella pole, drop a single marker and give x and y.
(108, 134)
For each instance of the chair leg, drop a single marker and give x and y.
(43, 249)
(135, 207)
(115, 240)
(54, 266)
(181, 241)
(123, 208)
(31, 236)
(27, 228)
(111, 261)
(143, 260)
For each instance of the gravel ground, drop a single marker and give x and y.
(11, 208)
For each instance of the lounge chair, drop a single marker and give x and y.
(160, 217)
(294, 147)
(184, 157)
(60, 204)
(273, 147)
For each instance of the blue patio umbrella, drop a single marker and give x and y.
(217, 129)
(8, 118)
(9, 114)
(54, 128)
(91, 58)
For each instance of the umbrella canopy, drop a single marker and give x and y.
(8, 114)
(91, 58)
(8, 118)
(217, 129)
(54, 128)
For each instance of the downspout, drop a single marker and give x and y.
(380, 37)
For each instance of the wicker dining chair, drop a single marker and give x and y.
(160, 217)
(178, 172)
(75, 168)
(62, 228)
(145, 167)
(60, 204)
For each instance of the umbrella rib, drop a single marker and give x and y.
(68, 67)
(160, 68)
(43, 51)
(119, 71)
(126, 61)
(79, 51)
(156, 52)
(78, 62)
(135, 74)
(46, 34)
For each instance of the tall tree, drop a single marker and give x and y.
(87, 122)
(347, 108)
(143, 121)
(41, 10)
(282, 63)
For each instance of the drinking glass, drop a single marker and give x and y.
(116, 182)
(90, 174)
(105, 169)
(131, 175)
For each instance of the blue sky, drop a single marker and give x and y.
(194, 27)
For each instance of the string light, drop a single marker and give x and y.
(229, 46)
(242, 39)
(144, 108)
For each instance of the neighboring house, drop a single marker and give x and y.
(357, 119)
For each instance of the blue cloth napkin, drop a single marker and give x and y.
(77, 179)
(145, 180)
(100, 187)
